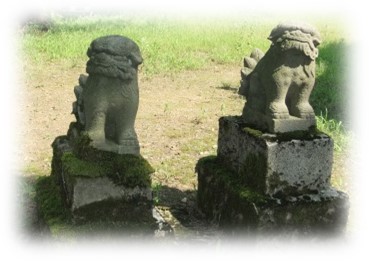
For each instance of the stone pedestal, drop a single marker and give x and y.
(260, 181)
(100, 184)
(239, 208)
(276, 164)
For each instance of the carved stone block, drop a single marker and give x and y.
(239, 209)
(294, 163)
(96, 190)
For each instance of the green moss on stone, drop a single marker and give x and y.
(311, 134)
(82, 168)
(254, 132)
(49, 201)
(229, 181)
(131, 170)
(83, 149)
(123, 169)
(251, 195)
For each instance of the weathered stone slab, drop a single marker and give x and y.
(239, 208)
(290, 124)
(267, 123)
(105, 219)
(88, 187)
(84, 191)
(285, 164)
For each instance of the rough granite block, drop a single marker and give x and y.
(91, 193)
(285, 164)
(238, 208)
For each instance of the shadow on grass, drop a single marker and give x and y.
(30, 222)
(330, 94)
(44, 216)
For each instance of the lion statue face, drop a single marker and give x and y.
(296, 36)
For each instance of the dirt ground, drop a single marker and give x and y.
(177, 117)
(177, 122)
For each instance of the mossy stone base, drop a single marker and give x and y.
(103, 220)
(223, 199)
(279, 165)
(96, 183)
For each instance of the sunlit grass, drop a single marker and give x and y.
(336, 130)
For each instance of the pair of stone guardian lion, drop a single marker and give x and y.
(277, 86)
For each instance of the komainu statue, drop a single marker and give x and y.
(107, 99)
(277, 84)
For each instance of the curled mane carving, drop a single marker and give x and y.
(119, 60)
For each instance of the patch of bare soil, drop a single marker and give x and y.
(175, 113)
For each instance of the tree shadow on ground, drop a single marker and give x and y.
(29, 220)
(184, 216)
(182, 205)
(180, 208)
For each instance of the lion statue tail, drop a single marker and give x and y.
(249, 63)
(78, 109)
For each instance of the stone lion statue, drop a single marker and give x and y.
(107, 99)
(277, 84)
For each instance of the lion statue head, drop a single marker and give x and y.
(113, 56)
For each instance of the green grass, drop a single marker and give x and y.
(336, 131)
(166, 46)
(328, 96)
